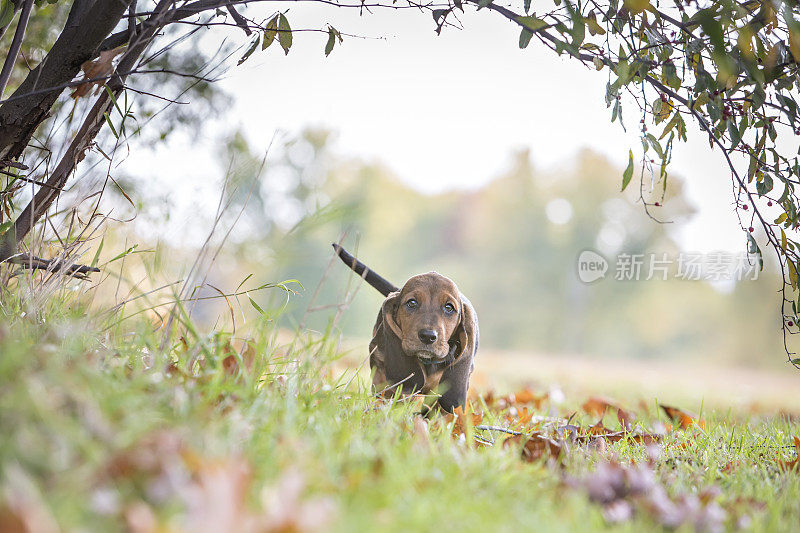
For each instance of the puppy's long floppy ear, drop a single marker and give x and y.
(388, 310)
(386, 343)
(466, 333)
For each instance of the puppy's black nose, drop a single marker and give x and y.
(428, 336)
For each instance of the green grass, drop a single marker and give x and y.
(102, 431)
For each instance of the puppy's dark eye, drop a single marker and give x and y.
(449, 309)
(412, 304)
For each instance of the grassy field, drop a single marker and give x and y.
(106, 427)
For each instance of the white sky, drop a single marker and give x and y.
(448, 111)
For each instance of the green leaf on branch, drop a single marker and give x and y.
(531, 23)
(669, 75)
(751, 170)
(637, 6)
(792, 271)
(6, 12)
(662, 110)
(578, 30)
(628, 174)
(250, 49)
(594, 27)
(270, 32)
(438, 14)
(333, 34)
(752, 247)
(701, 100)
(655, 144)
(733, 131)
(284, 33)
(525, 38)
(764, 185)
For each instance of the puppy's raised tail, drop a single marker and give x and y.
(384, 287)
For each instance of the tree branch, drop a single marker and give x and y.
(16, 43)
(90, 127)
(240, 20)
(77, 43)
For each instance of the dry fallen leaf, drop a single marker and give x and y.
(624, 490)
(598, 445)
(102, 67)
(684, 419)
(464, 421)
(527, 396)
(519, 416)
(598, 405)
(539, 446)
(795, 463)
(246, 352)
(625, 418)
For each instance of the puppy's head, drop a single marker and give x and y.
(425, 315)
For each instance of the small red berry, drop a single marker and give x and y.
(657, 204)
(769, 204)
(744, 207)
(750, 229)
(790, 323)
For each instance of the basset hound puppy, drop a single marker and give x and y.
(425, 338)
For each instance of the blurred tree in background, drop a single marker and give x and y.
(511, 245)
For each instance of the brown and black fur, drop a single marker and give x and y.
(425, 337)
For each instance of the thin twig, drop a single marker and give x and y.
(498, 428)
(19, 35)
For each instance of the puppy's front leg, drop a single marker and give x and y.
(455, 382)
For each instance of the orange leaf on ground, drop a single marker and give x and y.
(246, 353)
(464, 421)
(597, 406)
(625, 418)
(527, 396)
(795, 463)
(539, 446)
(521, 416)
(683, 418)
(598, 429)
(598, 444)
